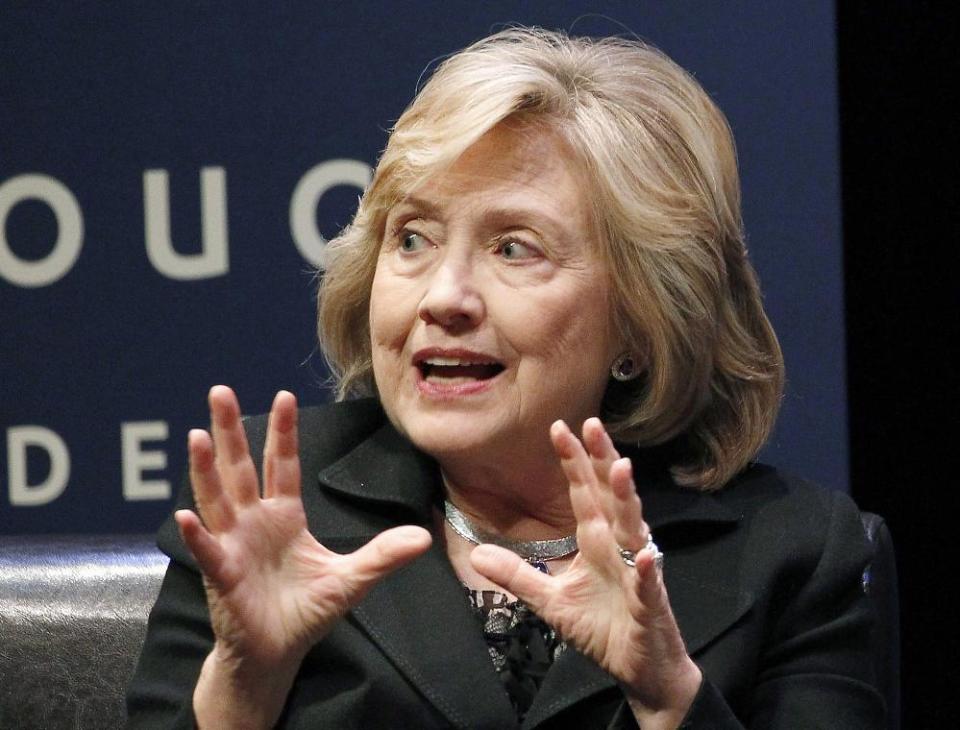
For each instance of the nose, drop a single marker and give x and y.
(452, 299)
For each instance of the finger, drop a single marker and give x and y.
(509, 571)
(237, 472)
(650, 586)
(388, 551)
(281, 457)
(602, 455)
(576, 466)
(629, 529)
(203, 546)
(208, 494)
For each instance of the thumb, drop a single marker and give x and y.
(388, 551)
(511, 572)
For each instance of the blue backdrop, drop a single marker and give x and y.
(168, 172)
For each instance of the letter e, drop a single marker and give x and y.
(136, 460)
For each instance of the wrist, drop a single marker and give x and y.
(234, 691)
(667, 711)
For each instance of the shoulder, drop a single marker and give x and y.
(773, 530)
(327, 432)
(764, 494)
(762, 491)
(797, 528)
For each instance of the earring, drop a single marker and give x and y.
(624, 368)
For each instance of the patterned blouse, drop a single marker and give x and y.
(521, 644)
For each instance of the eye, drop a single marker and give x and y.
(514, 250)
(411, 242)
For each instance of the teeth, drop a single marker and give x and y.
(453, 361)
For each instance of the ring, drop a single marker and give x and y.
(629, 557)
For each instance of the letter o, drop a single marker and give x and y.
(303, 204)
(65, 251)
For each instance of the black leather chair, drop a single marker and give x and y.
(73, 614)
(880, 583)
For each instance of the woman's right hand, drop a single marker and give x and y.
(272, 589)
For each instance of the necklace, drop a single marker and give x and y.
(535, 552)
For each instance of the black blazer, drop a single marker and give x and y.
(764, 578)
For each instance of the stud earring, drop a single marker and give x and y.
(624, 368)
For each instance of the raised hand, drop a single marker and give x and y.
(618, 615)
(272, 589)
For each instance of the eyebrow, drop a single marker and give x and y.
(421, 205)
(544, 222)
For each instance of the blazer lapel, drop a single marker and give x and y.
(419, 616)
(704, 594)
(434, 639)
(572, 678)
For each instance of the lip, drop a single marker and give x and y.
(453, 390)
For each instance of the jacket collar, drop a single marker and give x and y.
(386, 468)
(416, 618)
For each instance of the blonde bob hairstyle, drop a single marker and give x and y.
(661, 162)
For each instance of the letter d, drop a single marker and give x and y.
(19, 439)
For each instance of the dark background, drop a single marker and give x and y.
(898, 89)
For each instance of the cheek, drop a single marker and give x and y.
(576, 325)
(567, 337)
(389, 317)
(393, 316)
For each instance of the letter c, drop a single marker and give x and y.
(303, 204)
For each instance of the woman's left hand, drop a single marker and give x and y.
(617, 615)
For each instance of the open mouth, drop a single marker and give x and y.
(454, 370)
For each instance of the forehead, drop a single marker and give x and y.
(521, 168)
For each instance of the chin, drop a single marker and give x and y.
(444, 435)
(447, 434)
(482, 425)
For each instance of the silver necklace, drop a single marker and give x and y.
(535, 552)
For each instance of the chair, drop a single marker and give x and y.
(880, 583)
(73, 614)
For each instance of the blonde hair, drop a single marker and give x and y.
(660, 157)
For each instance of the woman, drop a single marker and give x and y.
(551, 237)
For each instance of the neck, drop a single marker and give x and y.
(531, 504)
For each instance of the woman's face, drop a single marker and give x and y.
(489, 313)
